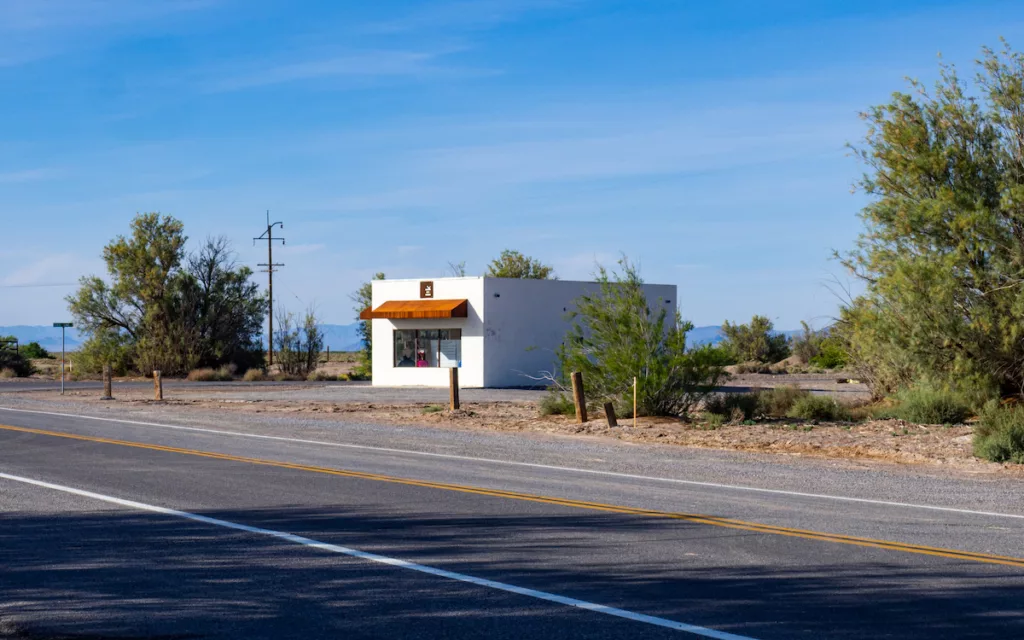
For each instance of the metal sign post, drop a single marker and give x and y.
(63, 326)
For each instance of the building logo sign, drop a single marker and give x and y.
(426, 289)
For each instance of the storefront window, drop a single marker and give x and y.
(428, 348)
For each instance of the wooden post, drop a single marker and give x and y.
(609, 412)
(107, 383)
(634, 402)
(578, 397)
(158, 386)
(453, 388)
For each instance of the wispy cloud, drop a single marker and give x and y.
(357, 65)
(34, 29)
(58, 267)
(26, 175)
(464, 15)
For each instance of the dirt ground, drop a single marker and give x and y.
(878, 441)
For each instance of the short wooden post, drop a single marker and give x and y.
(158, 386)
(453, 388)
(634, 402)
(609, 412)
(107, 394)
(578, 397)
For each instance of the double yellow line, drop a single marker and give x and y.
(579, 504)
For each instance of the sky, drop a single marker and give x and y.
(706, 141)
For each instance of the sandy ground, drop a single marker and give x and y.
(881, 441)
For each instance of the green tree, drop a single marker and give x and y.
(13, 361)
(170, 310)
(755, 342)
(220, 309)
(512, 264)
(942, 252)
(616, 335)
(363, 298)
(298, 345)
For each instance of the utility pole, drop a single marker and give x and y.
(268, 235)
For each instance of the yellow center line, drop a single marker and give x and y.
(579, 504)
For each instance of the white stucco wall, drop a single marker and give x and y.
(471, 374)
(526, 322)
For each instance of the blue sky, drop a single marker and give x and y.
(703, 139)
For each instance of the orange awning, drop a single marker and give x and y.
(418, 310)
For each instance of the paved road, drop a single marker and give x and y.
(210, 535)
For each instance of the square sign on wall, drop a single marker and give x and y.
(426, 289)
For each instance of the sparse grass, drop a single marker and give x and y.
(433, 408)
(320, 376)
(999, 436)
(206, 374)
(818, 408)
(557, 404)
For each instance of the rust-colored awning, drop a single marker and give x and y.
(418, 310)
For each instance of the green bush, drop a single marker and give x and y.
(15, 362)
(105, 347)
(999, 436)
(831, 355)
(35, 351)
(433, 408)
(557, 404)
(734, 407)
(818, 408)
(713, 421)
(617, 336)
(777, 402)
(755, 342)
(926, 404)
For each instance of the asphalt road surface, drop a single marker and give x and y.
(118, 530)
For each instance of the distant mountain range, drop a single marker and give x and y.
(339, 337)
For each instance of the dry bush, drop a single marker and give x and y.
(254, 375)
(8, 373)
(206, 374)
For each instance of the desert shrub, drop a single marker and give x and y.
(8, 373)
(999, 436)
(207, 374)
(777, 402)
(811, 407)
(734, 407)
(35, 351)
(755, 342)
(752, 367)
(433, 408)
(618, 335)
(254, 375)
(713, 421)
(557, 403)
(930, 404)
(15, 362)
(320, 376)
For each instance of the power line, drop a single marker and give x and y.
(268, 235)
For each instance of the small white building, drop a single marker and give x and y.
(500, 332)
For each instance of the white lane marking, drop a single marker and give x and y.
(534, 465)
(394, 562)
